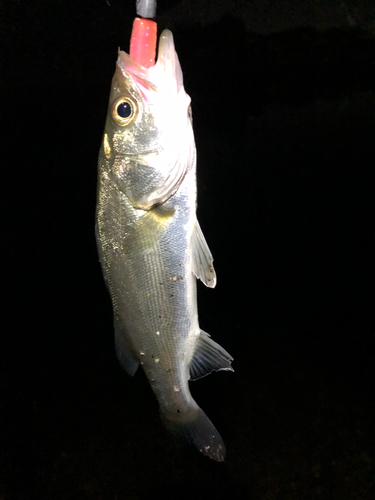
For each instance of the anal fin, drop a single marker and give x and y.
(208, 357)
(123, 352)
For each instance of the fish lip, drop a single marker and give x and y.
(136, 70)
(166, 72)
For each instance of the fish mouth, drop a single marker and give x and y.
(165, 75)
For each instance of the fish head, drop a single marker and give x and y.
(148, 134)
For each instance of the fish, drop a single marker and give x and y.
(150, 244)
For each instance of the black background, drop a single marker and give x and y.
(284, 124)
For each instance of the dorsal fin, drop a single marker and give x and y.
(201, 257)
(208, 357)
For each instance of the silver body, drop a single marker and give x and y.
(150, 244)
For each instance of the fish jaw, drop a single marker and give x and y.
(164, 77)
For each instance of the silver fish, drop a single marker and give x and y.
(150, 245)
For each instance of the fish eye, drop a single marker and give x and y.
(124, 111)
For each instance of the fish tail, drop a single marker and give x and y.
(195, 427)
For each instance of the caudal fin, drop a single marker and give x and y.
(197, 428)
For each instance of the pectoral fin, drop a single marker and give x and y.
(209, 357)
(147, 231)
(201, 258)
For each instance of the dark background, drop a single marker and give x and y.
(283, 105)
